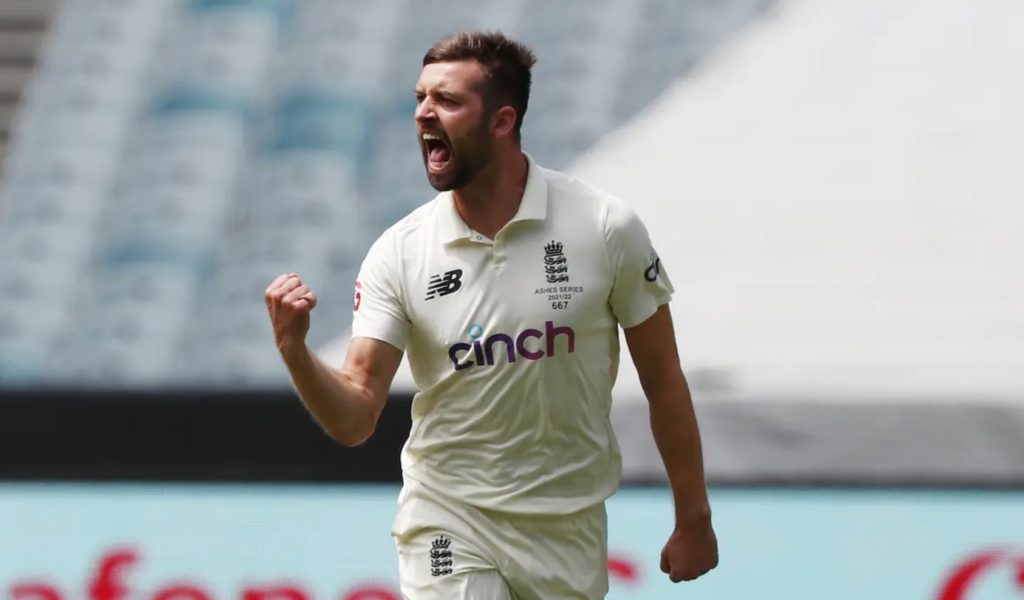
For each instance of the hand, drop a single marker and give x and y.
(289, 303)
(691, 551)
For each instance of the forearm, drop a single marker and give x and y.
(692, 549)
(345, 410)
(676, 434)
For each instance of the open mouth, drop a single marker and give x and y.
(439, 154)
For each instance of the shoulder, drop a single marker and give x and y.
(611, 213)
(415, 221)
(408, 227)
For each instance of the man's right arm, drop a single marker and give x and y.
(346, 402)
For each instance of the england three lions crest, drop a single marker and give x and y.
(555, 268)
(441, 556)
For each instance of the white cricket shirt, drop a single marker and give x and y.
(513, 342)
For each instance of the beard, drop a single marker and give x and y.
(467, 157)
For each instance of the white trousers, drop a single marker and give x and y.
(451, 551)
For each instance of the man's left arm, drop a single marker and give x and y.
(692, 549)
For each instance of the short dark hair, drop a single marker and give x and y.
(506, 62)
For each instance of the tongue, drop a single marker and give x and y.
(440, 155)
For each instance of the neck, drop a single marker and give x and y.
(490, 201)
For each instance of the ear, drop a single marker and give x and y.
(503, 122)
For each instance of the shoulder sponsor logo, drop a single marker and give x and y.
(358, 298)
(441, 556)
(447, 283)
(654, 269)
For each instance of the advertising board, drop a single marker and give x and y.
(274, 542)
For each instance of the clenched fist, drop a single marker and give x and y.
(691, 551)
(289, 303)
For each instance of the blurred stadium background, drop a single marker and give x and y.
(834, 186)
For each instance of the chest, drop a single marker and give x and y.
(529, 282)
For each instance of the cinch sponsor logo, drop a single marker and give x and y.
(531, 344)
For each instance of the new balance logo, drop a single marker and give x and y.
(442, 285)
(441, 556)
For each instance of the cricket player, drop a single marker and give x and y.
(507, 291)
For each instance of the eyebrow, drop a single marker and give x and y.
(441, 91)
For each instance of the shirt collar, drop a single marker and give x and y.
(533, 206)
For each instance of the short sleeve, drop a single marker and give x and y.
(378, 311)
(640, 284)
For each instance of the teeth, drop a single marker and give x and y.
(430, 136)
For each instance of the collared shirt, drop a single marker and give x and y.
(513, 342)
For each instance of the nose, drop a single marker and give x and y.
(424, 110)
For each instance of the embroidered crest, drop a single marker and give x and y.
(555, 268)
(441, 556)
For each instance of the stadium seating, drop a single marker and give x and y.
(171, 157)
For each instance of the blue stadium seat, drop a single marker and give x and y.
(221, 54)
(25, 282)
(61, 166)
(103, 60)
(207, 130)
(99, 130)
(172, 225)
(335, 65)
(110, 22)
(127, 325)
(236, 365)
(192, 99)
(243, 285)
(156, 286)
(188, 168)
(309, 120)
(280, 9)
(46, 246)
(27, 328)
(300, 173)
(42, 206)
(170, 204)
(247, 324)
(272, 246)
(112, 362)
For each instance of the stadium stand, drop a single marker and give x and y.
(169, 154)
(22, 23)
